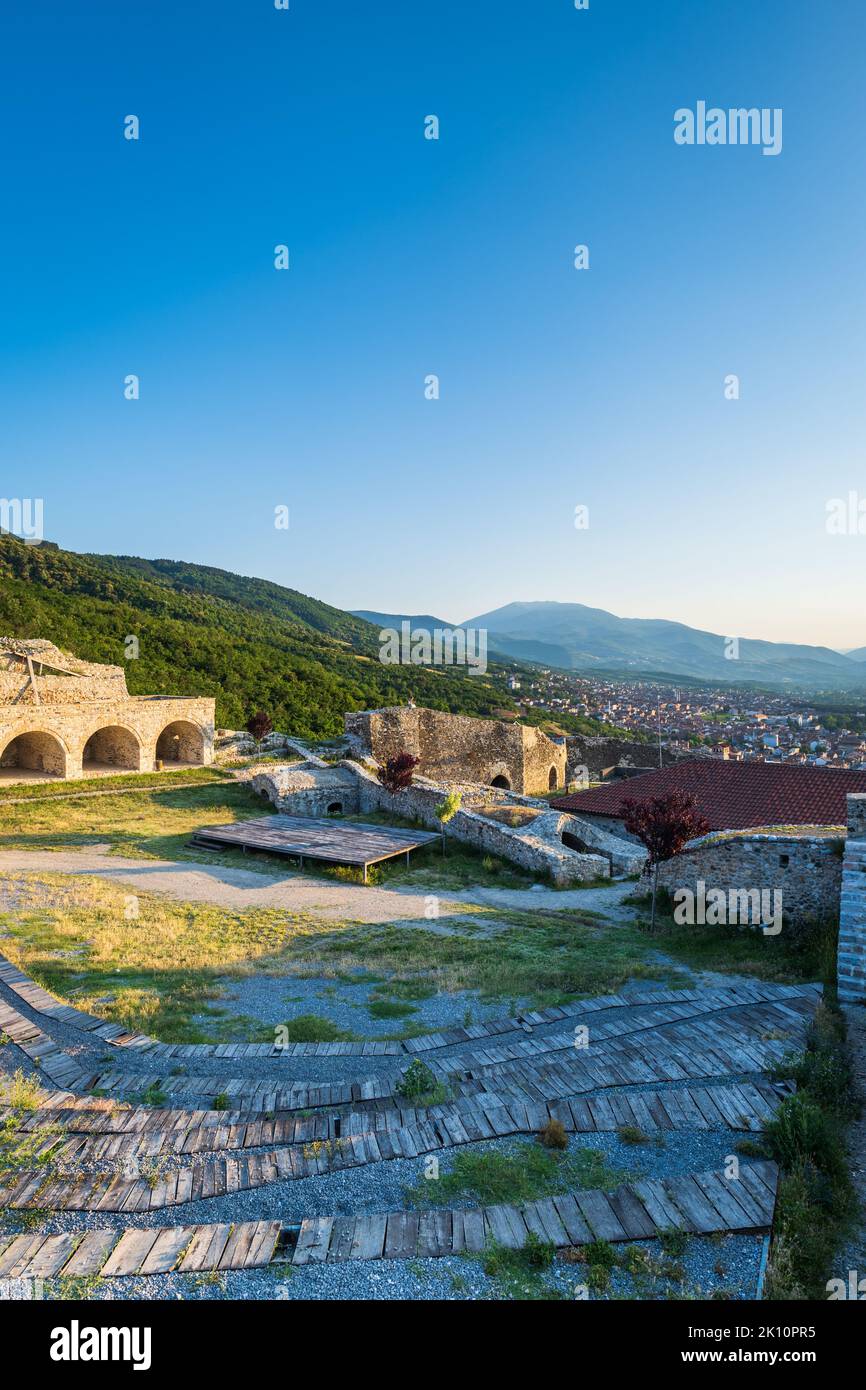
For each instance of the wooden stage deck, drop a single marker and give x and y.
(328, 840)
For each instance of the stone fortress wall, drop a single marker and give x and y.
(806, 869)
(460, 748)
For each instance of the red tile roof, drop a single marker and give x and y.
(734, 796)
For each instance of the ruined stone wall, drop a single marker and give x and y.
(597, 754)
(536, 847)
(86, 681)
(452, 747)
(807, 869)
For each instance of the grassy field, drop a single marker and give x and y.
(157, 969)
(153, 821)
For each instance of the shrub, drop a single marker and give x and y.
(801, 1132)
(396, 774)
(553, 1136)
(220, 1102)
(417, 1080)
(260, 725)
(630, 1134)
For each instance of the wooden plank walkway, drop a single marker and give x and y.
(699, 1203)
(132, 1184)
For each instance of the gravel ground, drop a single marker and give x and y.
(275, 1000)
(708, 1268)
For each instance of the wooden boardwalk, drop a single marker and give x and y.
(328, 841)
(660, 1061)
(697, 1203)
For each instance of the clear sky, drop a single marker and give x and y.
(559, 388)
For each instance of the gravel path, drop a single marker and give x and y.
(242, 889)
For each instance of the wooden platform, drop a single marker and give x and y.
(329, 841)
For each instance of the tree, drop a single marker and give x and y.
(396, 774)
(260, 725)
(447, 810)
(664, 825)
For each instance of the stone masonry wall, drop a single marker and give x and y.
(55, 735)
(806, 869)
(598, 754)
(536, 847)
(851, 960)
(453, 747)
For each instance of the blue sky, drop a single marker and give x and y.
(559, 388)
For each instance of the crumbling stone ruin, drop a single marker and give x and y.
(595, 757)
(61, 717)
(459, 748)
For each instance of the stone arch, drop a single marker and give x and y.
(552, 780)
(181, 742)
(34, 752)
(113, 746)
(501, 781)
(335, 808)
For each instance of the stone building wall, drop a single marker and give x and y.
(806, 869)
(61, 717)
(62, 680)
(132, 733)
(309, 789)
(851, 959)
(453, 747)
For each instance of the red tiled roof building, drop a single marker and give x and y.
(733, 796)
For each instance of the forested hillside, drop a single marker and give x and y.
(250, 643)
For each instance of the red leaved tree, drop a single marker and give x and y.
(396, 774)
(664, 825)
(260, 725)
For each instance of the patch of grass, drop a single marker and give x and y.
(221, 1102)
(547, 957)
(519, 1274)
(154, 1095)
(151, 817)
(314, 1029)
(526, 1172)
(631, 1134)
(21, 1150)
(674, 1241)
(797, 954)
(74, 1288)
(389, 1008)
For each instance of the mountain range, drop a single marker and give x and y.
(575, 637)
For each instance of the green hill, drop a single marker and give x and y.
(250, 643)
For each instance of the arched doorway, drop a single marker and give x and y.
(181, 742)
(31, 756)
(552, 780)
(335, 808)
(501, 781)
(109, 749)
